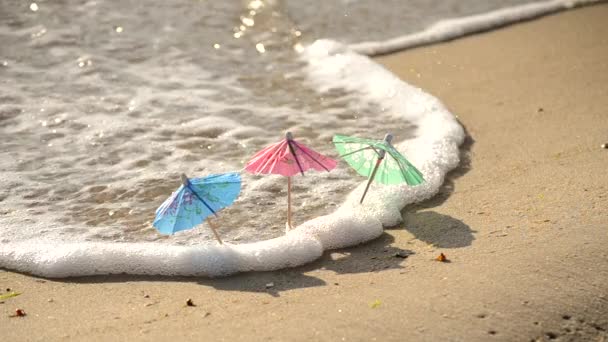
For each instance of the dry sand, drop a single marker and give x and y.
(524, 222)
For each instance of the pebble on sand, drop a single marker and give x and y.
(19, 313)
(441, 257)
(401, 254)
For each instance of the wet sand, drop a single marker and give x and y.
(523, 221)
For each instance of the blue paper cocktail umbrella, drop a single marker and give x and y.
(195, 200)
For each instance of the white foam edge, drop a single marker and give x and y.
(330, 64)
(453, 28)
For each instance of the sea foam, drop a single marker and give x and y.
(434, 150)
(330, 65)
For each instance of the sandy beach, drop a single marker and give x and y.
(523, 222)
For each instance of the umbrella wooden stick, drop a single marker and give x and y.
(387, 140)
(289, 202)
(371, 178)
(214, 229)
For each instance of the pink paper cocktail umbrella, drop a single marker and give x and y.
(288, 158)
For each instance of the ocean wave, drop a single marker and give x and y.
(330, 65)
(453, 28)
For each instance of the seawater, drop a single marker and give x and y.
(103, 104)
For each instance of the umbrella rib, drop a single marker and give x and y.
(207, 181)
(279, 150)
(373, 148)
(349, 142)
(178, 211)
(367, 142)
(403, 172)
(167, 203)
(261, 156)
(293, 152)
(402, 169)
(202, 200)
(262, 153)
(310, 156)
(353, 152)
(258, 171)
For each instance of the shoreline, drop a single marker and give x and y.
(522, 221)
(455, 28)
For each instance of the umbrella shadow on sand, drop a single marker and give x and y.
(376, 256)
(272, 283)
(439, 230)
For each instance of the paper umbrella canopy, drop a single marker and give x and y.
(377, 160)
(288, 158)
(195, 200)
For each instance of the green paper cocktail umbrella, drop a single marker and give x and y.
(377, 160)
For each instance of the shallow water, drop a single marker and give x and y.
(103, 104)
